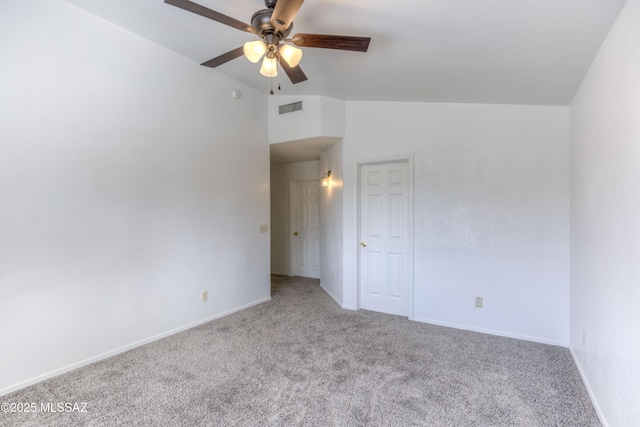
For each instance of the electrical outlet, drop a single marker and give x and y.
(205, 296)
(333, 277)
(264, 228)
(478, 302)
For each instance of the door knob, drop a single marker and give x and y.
(363, 244)
(295, 233)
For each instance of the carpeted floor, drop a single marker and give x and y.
(301, 360)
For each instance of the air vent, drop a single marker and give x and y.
(290, 108)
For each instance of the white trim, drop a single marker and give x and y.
(128, 347)
(279, 274)
(356, 171)
(333, 297)
(492, 332)
(340, 304)
(599, 412)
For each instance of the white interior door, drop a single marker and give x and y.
(305, 229)
(385, 252)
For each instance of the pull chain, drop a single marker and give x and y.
(279, 87)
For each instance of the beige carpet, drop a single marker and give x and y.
(301, 360)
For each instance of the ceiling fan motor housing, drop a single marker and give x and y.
(261, 21)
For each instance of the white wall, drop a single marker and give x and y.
(605, 225)
(130, 181)
(331, 223)
(320, 117)
(491, 211)
(333, 117)
(281, 177)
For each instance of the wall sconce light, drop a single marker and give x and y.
(325, 179)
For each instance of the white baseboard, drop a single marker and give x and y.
(279, 274)
(492, 332)
(333, 297)
(128, 347)
(603, 421)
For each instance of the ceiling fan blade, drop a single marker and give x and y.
(296, 75)
(211, 14)
(284, 12)
(219, 60)
(357, 44)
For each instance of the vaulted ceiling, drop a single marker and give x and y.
(480, 51)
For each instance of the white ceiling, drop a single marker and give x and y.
(300, 151)
(479, 51)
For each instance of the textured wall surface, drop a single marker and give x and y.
(331, 223)
(491, 212)
(130, 182)
(605, 223)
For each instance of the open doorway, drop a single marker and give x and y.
(295, 207)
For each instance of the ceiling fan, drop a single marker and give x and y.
(273, 25)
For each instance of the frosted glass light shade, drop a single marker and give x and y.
(291, 54)
(253, 51)
(269, 67)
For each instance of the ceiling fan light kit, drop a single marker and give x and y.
(269, 67)
(253, 51)
(291, 54)
(273, 25)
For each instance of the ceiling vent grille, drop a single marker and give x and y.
(290, 108)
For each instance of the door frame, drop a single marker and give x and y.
(293, 182)
(408, 158)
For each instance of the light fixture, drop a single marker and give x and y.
(291, 54)
(269, 65)
(325, 179)
(253, 51)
